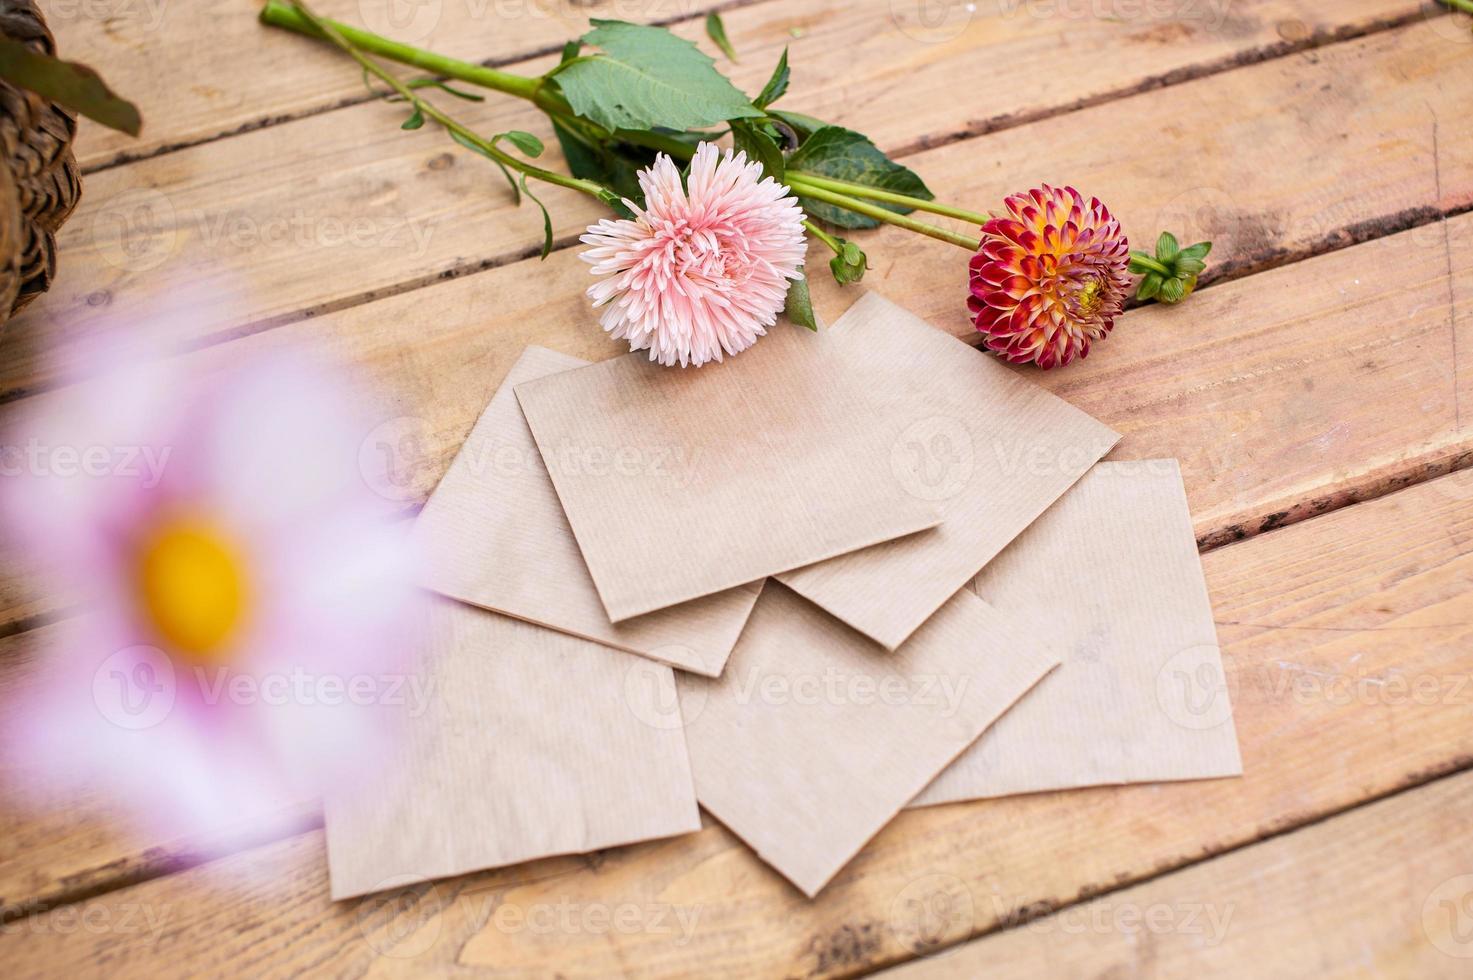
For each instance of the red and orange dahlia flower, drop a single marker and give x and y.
(1049, 277)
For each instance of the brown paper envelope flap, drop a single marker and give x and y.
(681, 483)
(530, 743)
(988, 446)
(1109, 576)
(495, 536)
(816, 736)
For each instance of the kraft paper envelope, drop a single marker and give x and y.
(683, 483)
(815, 736)
(990, 448)
(1110, 578)
(530, 743)
(496, 537)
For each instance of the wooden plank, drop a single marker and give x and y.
(1380, 891)
(1271, 390)
(1346, 640)
(201, 69)
(332, 210)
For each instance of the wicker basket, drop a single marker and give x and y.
(39, 182)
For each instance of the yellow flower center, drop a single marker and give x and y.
(1089, 297)
(191, 581)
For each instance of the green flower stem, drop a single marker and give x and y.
(326, 29)
(284, 14)
(289, 15)
(1149, 261)
(823, 236)
(1466, 6)
(798, 184)
(876, 194)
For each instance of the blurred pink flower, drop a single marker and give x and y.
(245, 594)
(704, 267)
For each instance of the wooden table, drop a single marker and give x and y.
(1312, 391)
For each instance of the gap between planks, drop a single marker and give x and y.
(1284, 48)
(1043, 910)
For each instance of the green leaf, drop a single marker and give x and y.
(1197, 251)
(1189, 267)
(1150, 286)
(418, 83)
(1166, 248)
(415, 121)
(647, 77)
(1139, 263)
(776, 85)
(760, 146)
(843, 154)
(602, 163)
(546, 219)
(526, 142)
(73, 85)
(516, 195)
(716, 31)
(799, 307)
(1173, 291)
(849, 264)
(570, 51)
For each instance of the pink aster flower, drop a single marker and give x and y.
(703, 268)
(1049, 278)
(245, 599)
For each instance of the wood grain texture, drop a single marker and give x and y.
(201, 69)
(1346, 641)
(311, 215)
(1382, 891)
